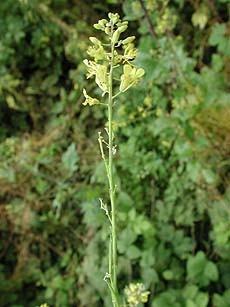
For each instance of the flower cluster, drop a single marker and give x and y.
(115, 50)
(130, 77)
(136, 293)
(166, 21)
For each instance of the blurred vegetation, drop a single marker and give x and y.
(173, 167)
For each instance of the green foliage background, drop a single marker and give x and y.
(172, 166)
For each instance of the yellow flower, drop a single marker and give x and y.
(130, 77)
(136, 294)
(89, 100)
(130, 52)
(100, 72)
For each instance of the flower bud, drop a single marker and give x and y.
(122, 28)
(124, 23)
(128, 40)
(102, 22)
(95, 41)
(107, 30)
(115, 36)
(114, 17)
(100, 25)
(97, 26)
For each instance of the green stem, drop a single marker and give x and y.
(111, 177)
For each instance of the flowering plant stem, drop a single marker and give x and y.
(102, 67)
(113, 249)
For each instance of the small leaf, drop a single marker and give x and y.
(11, 102)
(168, 275)
(219, 38)
(133, 252)
(211, 271)
(70, 158)
(209, 176)
(195, 265)
(217, 34)
(126, 238)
